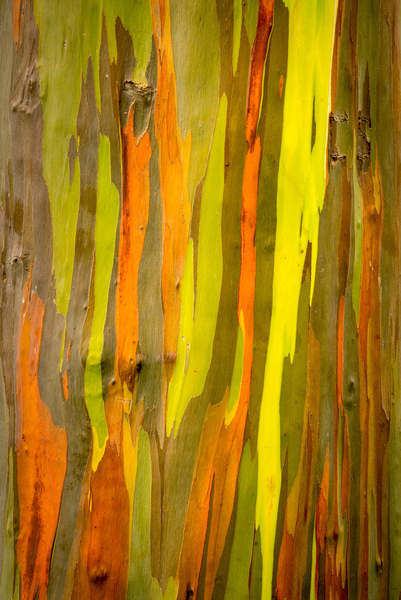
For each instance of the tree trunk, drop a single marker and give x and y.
(200, 360)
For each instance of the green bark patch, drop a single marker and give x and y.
(209, 277)
(107, 211)
(195, 39)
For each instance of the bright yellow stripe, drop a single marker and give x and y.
(300, 195)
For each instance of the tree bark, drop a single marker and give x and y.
(199, 361)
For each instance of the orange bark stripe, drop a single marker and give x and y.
(226, 464)
(370, 291)
(108, 553)
(246, 293)
(65, 384)
(41, 459)
(18, 22)
(231, 438)
(280, 87)
(198, 507)
(285, 569)
(102, 567)
(173, 164)
(16, 11)
(135, 213)
(373, 422)
(102, 570)
(259, 49)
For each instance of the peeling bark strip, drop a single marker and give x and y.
(174, 156)
(136, 153)
(41, 458)
(200, 366)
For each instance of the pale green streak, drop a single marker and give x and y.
(64, 237)
(263, 89)
(105, 235)
(141, 584)
(237, 587)
(136, 17)
(209, 278)
(300, 195)
(70, 34)
(313, 569)
(367, 48)
(17, 587)
(196, 51)
(6, 53)
(356, 281)
(237, 371)
(251, 19)
(171, 590)
(60, 361)
(316, 182)
(373, 574)
(184, 338)
(7, 567)
(140, 576)
(237, 32)
(4, 462)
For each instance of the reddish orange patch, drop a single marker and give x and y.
(285, 564)
(228, 454)
(374, 422)
(280, 87)
(135, 212)
(19, 9)
(108, 553)
(199, 502)
(65, 384)
(246, 293)
(259, 49)
(41, 458)
(226, 465)
(103, 564)
(173, 168)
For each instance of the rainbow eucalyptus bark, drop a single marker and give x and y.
(200, 310)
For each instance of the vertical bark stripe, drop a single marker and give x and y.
(41, 458)
(174, 156)
(134, 218)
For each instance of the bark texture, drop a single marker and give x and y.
(200, 361)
